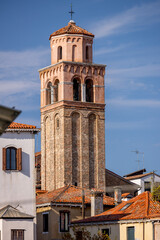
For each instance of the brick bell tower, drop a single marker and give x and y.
(72, 113)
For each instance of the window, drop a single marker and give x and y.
(74, 51)
(17, 234)
(89, 90)
(12, 158)
(59, 53)
(105, 231)
(48, 93)
(56, 87)
(125, 206)
(130, 233)
(64, 221)
(45, 222)
(79, 235)
(76, 90)
(147, 186)
(57, 123)
(87, 53)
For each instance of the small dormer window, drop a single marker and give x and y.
(59, 53)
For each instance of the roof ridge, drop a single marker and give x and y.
(147, 203)
(65, 188)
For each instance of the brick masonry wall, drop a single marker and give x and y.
(73, 152)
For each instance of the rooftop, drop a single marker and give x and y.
(139, 207)
(21, 127)
(70, 194)
(141, 176)
(71, 28)
(11, 212)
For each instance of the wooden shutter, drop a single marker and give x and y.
(4, 159)
(19, 159)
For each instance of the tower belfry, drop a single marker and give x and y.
(72, 112)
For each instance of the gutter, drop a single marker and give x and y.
(59, 204)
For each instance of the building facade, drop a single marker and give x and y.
(72, 113)
(17, 178)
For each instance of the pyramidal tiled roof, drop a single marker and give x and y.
(11, 212)
(71, 28)
(70, 194)
(139, 207)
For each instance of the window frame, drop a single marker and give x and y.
(18, 159)
(44, 224)
(18, 231)
(130, 227)
(10, 160)
(64, 229)
(107, 230)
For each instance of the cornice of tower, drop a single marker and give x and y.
(73, 104)
(74, 63)
(71, 28)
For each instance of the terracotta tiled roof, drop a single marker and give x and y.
(139, 207)
(70, 194)
(15, 125)
(140, 176)
(71, 28)
(37, 154)
(125, 195)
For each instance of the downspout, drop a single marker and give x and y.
(153, 231)
(143, 230)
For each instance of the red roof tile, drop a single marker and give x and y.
(70, 194)
(71, 28)
(15, 125)
(125, 195)
(139, 207)
(37, 154)
(140, 176)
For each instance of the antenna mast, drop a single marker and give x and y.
(137, 152)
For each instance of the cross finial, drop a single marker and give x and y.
(71, 12)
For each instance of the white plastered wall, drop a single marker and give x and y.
(18, 187)
(27, 225)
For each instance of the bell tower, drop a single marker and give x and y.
(72, 113)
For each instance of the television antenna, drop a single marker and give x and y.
(138, 160)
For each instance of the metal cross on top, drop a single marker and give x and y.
(71, 12)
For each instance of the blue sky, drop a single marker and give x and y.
(127, 40)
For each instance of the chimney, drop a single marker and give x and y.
(117, 195)
(96, 202)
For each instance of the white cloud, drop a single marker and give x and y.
(134, 103)
(19, 77)
(134, 18)
(110, 49)
(132, 78)
(127, 125)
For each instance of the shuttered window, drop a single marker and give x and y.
(64, 221)
(17, 234)
(12, 158)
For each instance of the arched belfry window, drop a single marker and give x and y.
(76, 90)
(87, 53)
(59, 53)
(89, 90)
(48, 93)
(56, 90)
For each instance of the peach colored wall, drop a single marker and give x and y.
(67, 42)
(65, 73)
